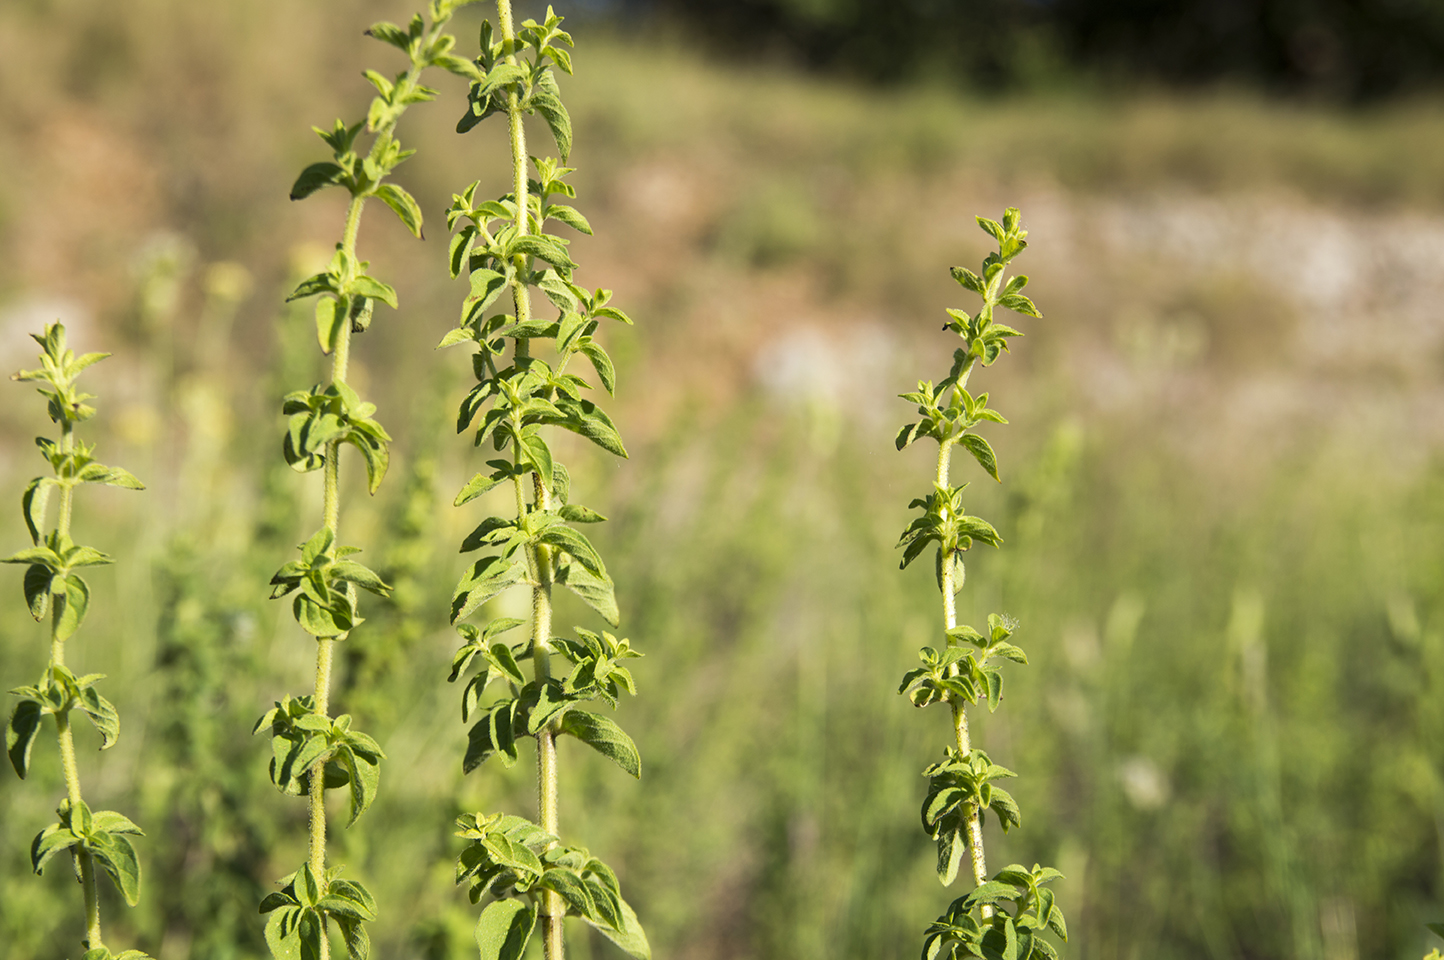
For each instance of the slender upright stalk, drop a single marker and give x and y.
(503, 245)
(311, 745)
(53, 585)
(552, 910)
(961, 788)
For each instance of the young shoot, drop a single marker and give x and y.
(1007, 915)
(313, 751)
(503, 245)
(54, 587)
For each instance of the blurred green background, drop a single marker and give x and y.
(1223, 499)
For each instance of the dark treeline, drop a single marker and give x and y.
(1348, 50)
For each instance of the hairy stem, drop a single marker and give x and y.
(546, 753)
(67, 492)
(520, 294)
(85, 863)
(960, 715)
(552, 910)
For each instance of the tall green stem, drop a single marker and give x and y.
(67, 444)
(84, 862)
(960, 715)
(552, 909)
(331, 514)
(520, 294)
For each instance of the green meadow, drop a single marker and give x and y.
(1222, 499)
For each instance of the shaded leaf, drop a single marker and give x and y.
(20, 735)
(504, 928)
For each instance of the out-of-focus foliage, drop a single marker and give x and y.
(1344, 49)
(1223, 498)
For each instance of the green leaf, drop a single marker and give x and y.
(453, 337)
(485, 579)
(33, 503)
(538, 454)
(604, 736)
(117, 856)
(362, 576)
(569, 884)
(576, 513)
(375, 451)
(350, 898)
(504, 928)
(314, 177)
(981, 452)
(330, 315)
(404, 204)
(364, 778)
(486, 286)
(112, 822)
(575, 544)
(102, 714)
(595, 591)
(477, 486)
(501, 75)
(319, 283)
(545, 247)
(570, 216)
(951, 849)
(603, 365)
(324, 621)
(358, 941)
(548, 103)
(590, 421)
(20, 735)
(283, 933)
(629, 935)
(37, 589)
(460, 248)
(116, 477)
(73, 604)
(388, 32)
(1019, 304)
(41, 555)
(494, 733)
(48, 843)
(368, 286)
(1009, 651)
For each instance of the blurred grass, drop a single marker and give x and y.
(1221, 500)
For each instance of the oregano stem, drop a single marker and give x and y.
(544, 549)
(67, 492)
(353, 224)
(950, 620)
(520, 294)
(950, 608)
(85, 863)
(91, 892)
(68, 595)
(552, 910)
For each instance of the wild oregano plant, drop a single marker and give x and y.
(504, 247)
(54, 586)
(313, 751)
(1003, 917)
